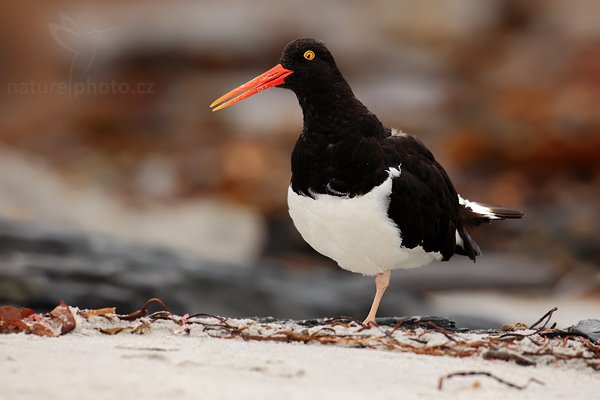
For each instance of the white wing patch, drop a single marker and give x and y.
(394, 172)
(398, 132)
(459, 241)
(478, 208)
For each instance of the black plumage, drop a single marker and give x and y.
(344, 150)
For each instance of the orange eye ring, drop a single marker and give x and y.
(309, 55)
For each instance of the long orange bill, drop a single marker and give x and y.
(273, 77)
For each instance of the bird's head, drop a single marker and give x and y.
(306, 66)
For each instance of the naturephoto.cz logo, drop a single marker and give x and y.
(83, 47)
(79, 88)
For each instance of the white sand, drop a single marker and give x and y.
(86, 364)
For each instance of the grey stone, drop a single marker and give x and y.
(591, 327)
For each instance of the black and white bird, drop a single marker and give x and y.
(373, 199)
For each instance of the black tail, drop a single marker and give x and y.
(473, 214)
(504, 213)
(466, 246)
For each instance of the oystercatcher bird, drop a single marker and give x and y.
(373, 199)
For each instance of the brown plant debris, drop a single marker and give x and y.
(57, 322)
(64, 317)
(115, 330)
(529, 347)
(99, 312)
(508, 356)
(144, 310)
(546, 317)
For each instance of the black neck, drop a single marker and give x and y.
(339, 150)
(333, 110)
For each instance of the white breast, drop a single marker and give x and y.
(356, 232)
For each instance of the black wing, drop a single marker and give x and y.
(424, 203)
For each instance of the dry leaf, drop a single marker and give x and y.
(114, 331)
(40, 325)
(99, 312)
(11, 319)
(62, 314)
(10, 313)
(26, 312)
(13, 326)
(41, 330)
(141, 328)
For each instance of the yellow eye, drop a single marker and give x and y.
(309, 55)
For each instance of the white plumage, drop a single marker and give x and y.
(356, 232)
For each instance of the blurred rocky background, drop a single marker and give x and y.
(117, 183)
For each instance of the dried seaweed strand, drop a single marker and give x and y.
(489, 375)
(222, 328)
(143, 311)
(546, 316)
(561, 333)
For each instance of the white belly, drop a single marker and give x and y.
(355, 232)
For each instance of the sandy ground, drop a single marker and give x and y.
(162, 365)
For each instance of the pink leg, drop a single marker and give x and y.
(382, 280)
